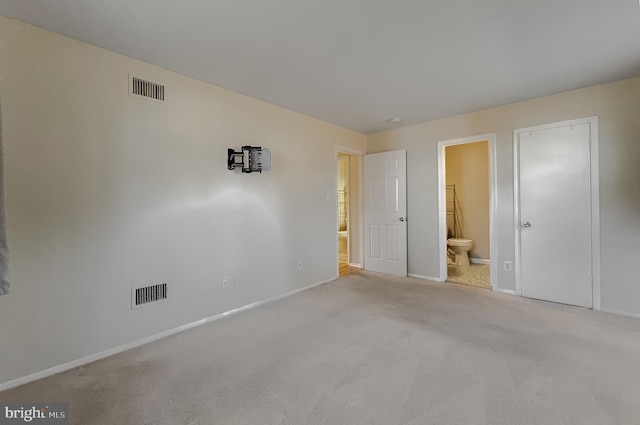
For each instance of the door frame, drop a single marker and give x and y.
(360, 241)
(493, 196)
(595, 201)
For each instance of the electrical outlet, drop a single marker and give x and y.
(300, 265)
(507, 266)
(224, 282)
(236, 280)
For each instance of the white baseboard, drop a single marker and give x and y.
(110, 352)
(479, 261)
(621, 313)
(505, 291)
(355, 265)
(419, 276)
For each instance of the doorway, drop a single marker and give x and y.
(343, 213)
(557, 212)
(466, 206)
(349, 211)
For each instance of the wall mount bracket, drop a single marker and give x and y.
(250, 158)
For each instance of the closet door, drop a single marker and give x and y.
(555, 213)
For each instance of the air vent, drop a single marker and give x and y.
(146, 295)
(146, 89)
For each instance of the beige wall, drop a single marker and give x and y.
(467, 166)
(343, 182)
(343, 168)
(618, 107)
(105, 191)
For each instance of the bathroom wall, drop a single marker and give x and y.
(467, 166)
(105, 191)
(343, 182)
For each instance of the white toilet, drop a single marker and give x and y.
(460, 248)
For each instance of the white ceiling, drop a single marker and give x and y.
(359, 63)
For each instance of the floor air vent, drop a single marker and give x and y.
(146, 89)
(146, 295)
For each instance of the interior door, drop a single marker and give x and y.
(555, 214)
(385, 211)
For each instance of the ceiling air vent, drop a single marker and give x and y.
(146, 89)
(146, 295)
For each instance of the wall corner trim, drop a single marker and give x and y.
(619, 312)
(505, 291)
(480, 261)
(419, 276)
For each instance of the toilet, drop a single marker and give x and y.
(460, 248)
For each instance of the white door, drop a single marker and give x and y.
(554, 166)
(385, 212)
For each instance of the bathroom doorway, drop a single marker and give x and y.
(349, 211)
(343, 212)
(467, 193)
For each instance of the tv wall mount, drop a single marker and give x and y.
(250, 159)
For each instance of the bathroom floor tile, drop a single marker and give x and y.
(473, 275)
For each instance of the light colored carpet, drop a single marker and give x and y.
(371, 349)
(473, 275)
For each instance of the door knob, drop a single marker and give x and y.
(526, 224)
(401, 218)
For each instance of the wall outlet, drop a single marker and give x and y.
(299, 264)
(236, 280)
(507, 266)
(224, 282)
